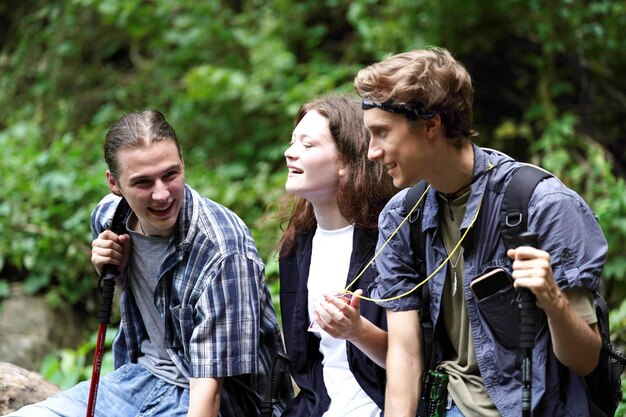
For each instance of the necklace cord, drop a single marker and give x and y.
(385, 244)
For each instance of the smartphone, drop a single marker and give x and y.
(490, 283)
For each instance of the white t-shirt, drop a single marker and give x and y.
(330, 263)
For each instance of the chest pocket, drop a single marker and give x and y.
(181, 319)
(499, 310)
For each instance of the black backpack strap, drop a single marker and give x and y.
(602, 312)
(417, 238)
(418, 242)
(604, 382)
(279, 378)
(514, 208)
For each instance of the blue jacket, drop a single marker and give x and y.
(568, 230)
(303, 346)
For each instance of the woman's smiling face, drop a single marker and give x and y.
(313, 160)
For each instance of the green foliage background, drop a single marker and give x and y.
(230, 75)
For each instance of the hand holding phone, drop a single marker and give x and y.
(343, 296)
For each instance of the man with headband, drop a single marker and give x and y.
(418, 109)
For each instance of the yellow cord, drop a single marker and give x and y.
(386, 242)
(346, 291)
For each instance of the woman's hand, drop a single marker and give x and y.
(339, 315)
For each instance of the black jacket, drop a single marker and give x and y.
(303, 346)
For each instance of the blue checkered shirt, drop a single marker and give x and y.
(211, 293)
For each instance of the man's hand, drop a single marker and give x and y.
(576, 344)
(532, 270)
(110, 248)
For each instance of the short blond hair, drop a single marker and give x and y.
(430, 76)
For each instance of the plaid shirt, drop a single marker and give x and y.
(211, 293)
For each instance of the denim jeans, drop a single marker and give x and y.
(454, 412)
(450, 412)
(126, 392)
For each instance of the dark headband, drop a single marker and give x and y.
(412, 110)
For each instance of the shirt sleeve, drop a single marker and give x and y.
(102, 214)
(581, 300)
(570, 232)
(226, 319)
(396, 285)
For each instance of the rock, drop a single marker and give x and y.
(30, 329)
(20, 387)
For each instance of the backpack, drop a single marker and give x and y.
(604, 382)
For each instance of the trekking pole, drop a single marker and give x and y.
(107, 288)
(526, 304)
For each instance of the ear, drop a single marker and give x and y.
(112, 182)
(433, 125)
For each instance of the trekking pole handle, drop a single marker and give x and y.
(526, 304)
(107, 288)
(526, 300)
(109, 271)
